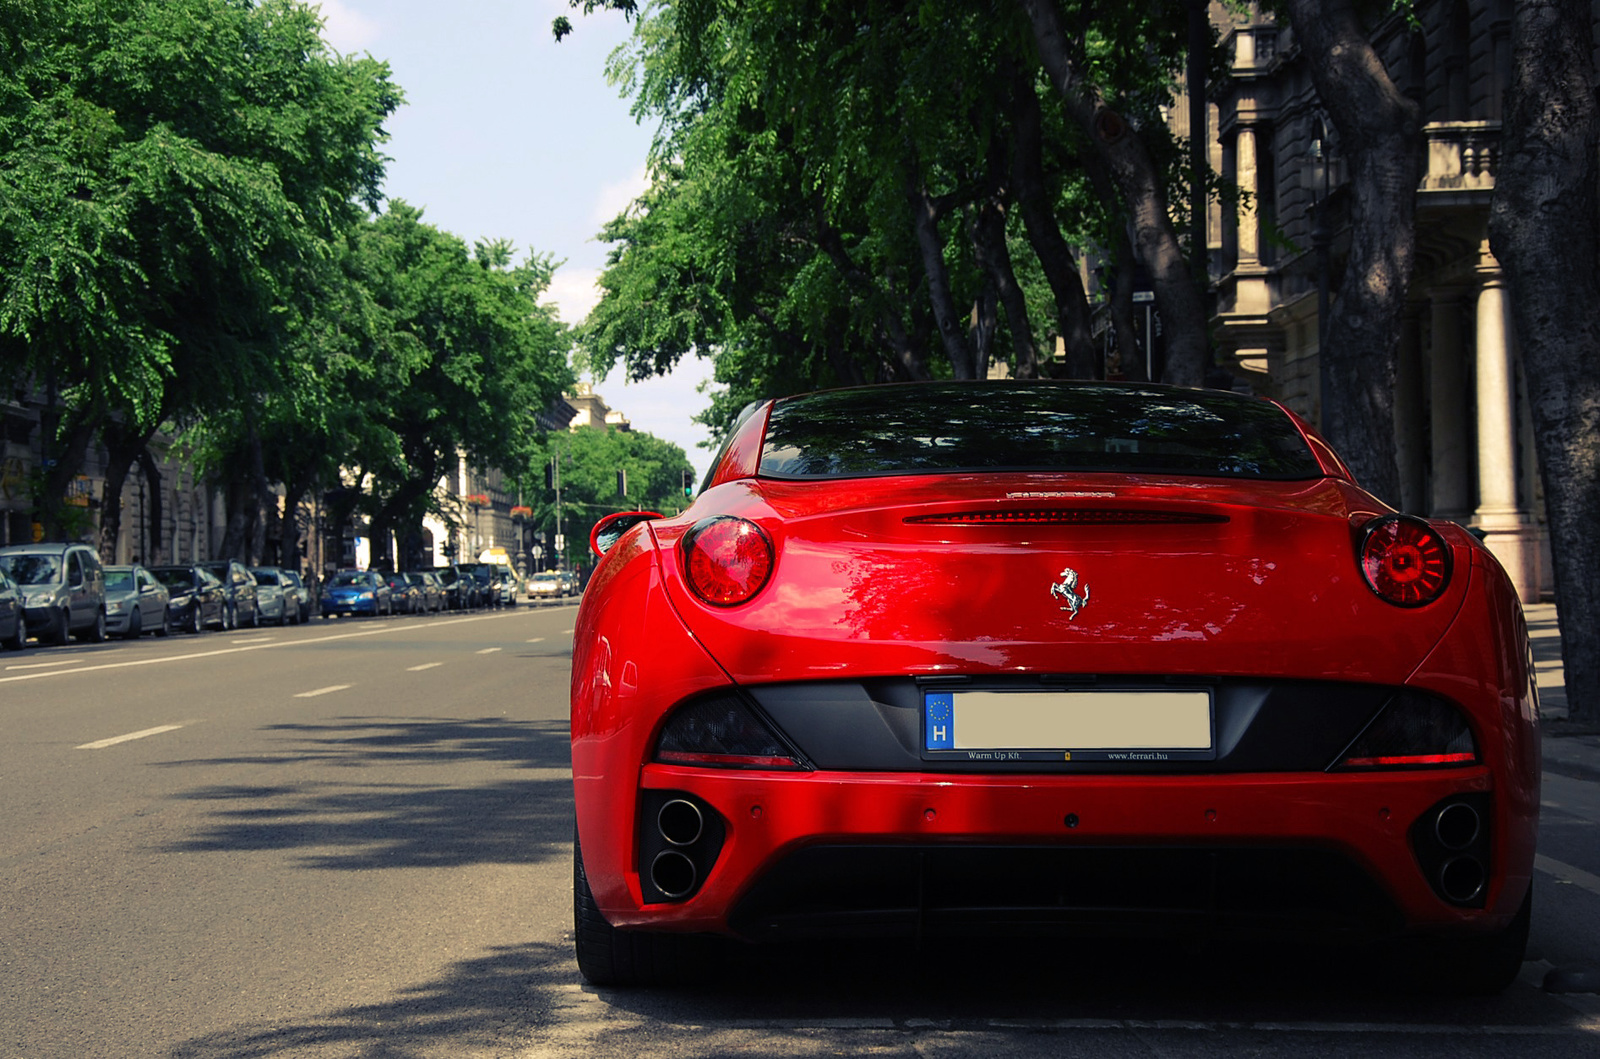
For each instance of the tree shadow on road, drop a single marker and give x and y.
(396, 800)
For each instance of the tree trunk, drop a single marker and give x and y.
(1544, 227)
(68, 453)
(904, 351)
(994, 257)
(1044, 234)
(927, 211)
(123, 445)
(153, 507)
(1381, 139)
(1183, 309)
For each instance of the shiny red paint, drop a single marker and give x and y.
(1249, 578)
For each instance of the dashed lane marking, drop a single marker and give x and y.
(425, 665)
(101, 744)
(321, 691)
(1567, 873)
(45, 665)
(487, 651)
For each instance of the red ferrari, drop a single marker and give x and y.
(967, 658)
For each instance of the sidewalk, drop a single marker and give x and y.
(1568, 749)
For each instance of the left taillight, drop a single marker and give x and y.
(727, 560)
(1405, 561)
(722, 731)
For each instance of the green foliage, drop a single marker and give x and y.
(777, 236)
(589, 460)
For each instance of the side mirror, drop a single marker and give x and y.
(609, 530)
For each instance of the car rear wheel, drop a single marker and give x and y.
(19, 635)
(135, 625)
(192, 622)
(165, 628)
(95, 633)
(608, 956)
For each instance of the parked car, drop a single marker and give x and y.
(196, 600)
(461, 591)
(1046, 656)
(63, 588)
(569, 579)
(274, 599)
(356, 592)
(295, 587)
(136, 602)
(240, 585)
(488, 583)
(546, 585)
(429, 590)
(13, 624)
(503, 581)
(403, 595)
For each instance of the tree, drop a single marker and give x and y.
(1544, 228)
(170, 172)
(1380, 135)
(589, 462)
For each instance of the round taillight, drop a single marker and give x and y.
(727, 560)
(1405, 560)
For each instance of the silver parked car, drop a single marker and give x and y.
(135, 602)
(13, 627)
(275, 600)
(63, 588)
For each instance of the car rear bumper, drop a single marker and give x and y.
(803, 853)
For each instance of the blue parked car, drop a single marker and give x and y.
(356, 592)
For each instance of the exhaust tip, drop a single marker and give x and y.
(1461, 879)
(673, 873)
(1457, 826)
(680, 822)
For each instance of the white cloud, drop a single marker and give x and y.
(345, 29)
(574, 292)
(615, 197)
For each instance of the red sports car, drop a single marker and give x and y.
(961, 658)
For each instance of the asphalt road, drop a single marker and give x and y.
(353, 839)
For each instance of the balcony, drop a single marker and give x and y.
(1462, 156)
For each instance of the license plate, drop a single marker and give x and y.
(1123, 725)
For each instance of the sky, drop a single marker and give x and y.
(507, 134)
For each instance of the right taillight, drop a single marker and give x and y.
(1405, 561)
(727, 560)
(1414, 730)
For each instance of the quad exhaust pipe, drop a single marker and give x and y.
(1452, 845)
(679, 841)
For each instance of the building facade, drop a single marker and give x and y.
(1464, 432)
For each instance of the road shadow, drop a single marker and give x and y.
(386, 805)
(996, 998)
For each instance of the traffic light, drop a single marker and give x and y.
(688, 485)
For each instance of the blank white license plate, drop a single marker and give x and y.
(1101, 725)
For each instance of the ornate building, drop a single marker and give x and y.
(1464, 433)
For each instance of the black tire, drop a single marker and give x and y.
(1479, 966)
(192, 622)
(57, 632)
(165, 629)
(96, 633)
(19, 636)
(135, 625)
(608, 956)
(255, 616)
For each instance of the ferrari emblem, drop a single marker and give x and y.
(1067, 589)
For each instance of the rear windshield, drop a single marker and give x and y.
(352, 578)
(952, 427)
(173, 576)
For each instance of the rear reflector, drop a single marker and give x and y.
(722, 732)
(1404, 560)
(1065, 517)
(1414, 730)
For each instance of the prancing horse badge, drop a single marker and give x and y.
(1067, 589)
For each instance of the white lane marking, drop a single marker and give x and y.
(254, 639)
(566, 632)
(397, 627)
(537, 639)
(101, 744)
(425, 665)
(487, 651)
(321, 691)
(1567, 873)
(45, 665)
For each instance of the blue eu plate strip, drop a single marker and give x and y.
(939, 715)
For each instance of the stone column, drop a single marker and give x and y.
(1245, 177)
(1452, 470)
(1508, 531)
